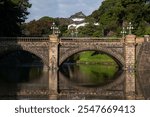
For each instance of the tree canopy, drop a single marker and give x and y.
(42, 27)
(12, 14)
(113, 14)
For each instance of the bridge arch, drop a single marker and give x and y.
(111, 52)
(38, 54)
(26, 49)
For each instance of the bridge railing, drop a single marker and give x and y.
(24, 38)
(90, 39)
(64, 39)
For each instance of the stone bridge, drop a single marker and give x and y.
(53, 51)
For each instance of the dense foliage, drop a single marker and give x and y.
(12, 14)
(113, 14)
(42, 27)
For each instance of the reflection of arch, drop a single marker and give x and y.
(30, 50)
(110, 86)
(111, 52)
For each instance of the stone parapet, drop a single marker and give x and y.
(139, 40)
(130, 39)
(53, 38)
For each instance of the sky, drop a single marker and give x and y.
(61, 8)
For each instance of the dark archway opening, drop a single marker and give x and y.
(19, 71)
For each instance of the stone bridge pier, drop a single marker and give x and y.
(130, 58)
(53, 66)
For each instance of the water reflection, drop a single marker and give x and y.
(130, 84)
(81, 82)
(91, 82)
(21, 80)
(20, 74)
(143, 81)
(90, 75)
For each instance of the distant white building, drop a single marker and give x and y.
(76, 25)
(78, 17)
(96, 24)
(78, 21)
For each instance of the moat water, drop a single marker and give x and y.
(74, 81)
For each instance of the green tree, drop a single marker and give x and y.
(87, 30)
(113, 14)
(41, 27)
(136, 11)
(63, 25)
(12, 14)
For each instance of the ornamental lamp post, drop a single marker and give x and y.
(130, 28)
(55, 29)
(123, 32)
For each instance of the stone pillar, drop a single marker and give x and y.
(130, 52)
(53, 66)
(53, 51)
(53, 84)
(130, 56)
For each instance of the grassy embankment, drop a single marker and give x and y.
(88, 58)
